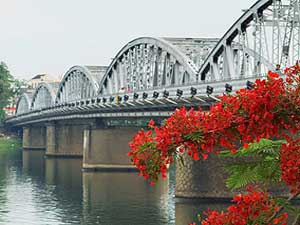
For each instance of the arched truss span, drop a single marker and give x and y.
(267, 34)
(44, 96)
(78, 83)
(145, 63)
(23, 104)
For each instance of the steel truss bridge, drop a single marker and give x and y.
(151, 76)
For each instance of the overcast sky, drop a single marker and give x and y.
(50, 36)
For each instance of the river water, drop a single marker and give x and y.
(48, 191)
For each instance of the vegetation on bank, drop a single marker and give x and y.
(9, 144)
(6, 88)
(10, 88)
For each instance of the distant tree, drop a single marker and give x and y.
(6, 88)
(19, 87)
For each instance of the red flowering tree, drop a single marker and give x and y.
(249, 118)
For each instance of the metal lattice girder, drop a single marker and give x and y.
(145, 63)
(91, 107)
(79, 82)
(269, 30)
(44, 95)
(291, 33)
(265, 35)
(23, 104)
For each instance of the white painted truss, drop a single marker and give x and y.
(23, 104)
(161, 73)
(78, 83)
(44, 95)
(146, 63)
(266, 37)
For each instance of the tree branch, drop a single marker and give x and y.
(281, 208)
(297, 220)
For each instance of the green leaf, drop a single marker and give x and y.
(199, 217)
(253, 172)
(263, 166)
(181, 160)
(264, 147)
(241, 175)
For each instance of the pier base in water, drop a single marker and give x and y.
(106, 149)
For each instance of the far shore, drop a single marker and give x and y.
(9, 142)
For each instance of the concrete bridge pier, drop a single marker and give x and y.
(206, 179)
(34, 137)
(65, 138)
(202, 179)
(51, 142)
(105, 149)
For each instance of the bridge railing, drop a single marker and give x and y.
(156, 99)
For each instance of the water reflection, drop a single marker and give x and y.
(124, 198)
(34, 163)
(64, 172)
(64, 177)
(47, 191)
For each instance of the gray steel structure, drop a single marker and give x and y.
(151, 76)
(79, 82)
(44, 95)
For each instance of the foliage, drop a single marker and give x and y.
(6, 91)
(269, 110)
(9, 144)
(260, 164)
(249, 118)
(153, 153)
(290, 164)
(19, 86)
(256, 207)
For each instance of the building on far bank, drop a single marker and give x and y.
(29, 87)
(41, 78)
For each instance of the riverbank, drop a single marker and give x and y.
(9, 143)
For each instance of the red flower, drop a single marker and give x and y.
(290, 164)
(248, 209)
(151, 124)
(196, 156)
(273, 75)
(270, 110)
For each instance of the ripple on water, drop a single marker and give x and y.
(43, 191)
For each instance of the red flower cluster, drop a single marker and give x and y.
(152, 154)
(290, 164)
(177, 130)
(252, 208)
(270, 110)
(143, 150)
(241, 119)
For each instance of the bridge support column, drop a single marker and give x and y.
(26, 137)
(65, 139)
(34, 137)
(202, 179)
(51, 139)
(207, 179)
(106, 149)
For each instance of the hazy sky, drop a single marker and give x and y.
(50, 36)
